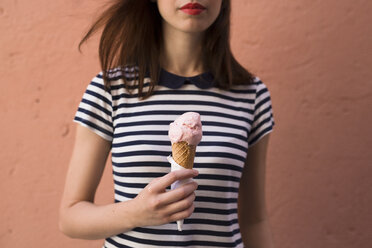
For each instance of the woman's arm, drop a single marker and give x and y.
(253, 219)
(81, 218)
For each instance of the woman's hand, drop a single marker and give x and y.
(157, 206)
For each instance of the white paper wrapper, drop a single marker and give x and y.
(175, 185)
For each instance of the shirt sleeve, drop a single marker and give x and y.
(95, 109)
(263, 119)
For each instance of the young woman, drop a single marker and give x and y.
(160, 59)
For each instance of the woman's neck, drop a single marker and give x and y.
(182, 52)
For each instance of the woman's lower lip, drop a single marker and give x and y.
(192, 11)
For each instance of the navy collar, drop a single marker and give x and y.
(173, 81)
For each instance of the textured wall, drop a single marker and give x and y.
(315, 56)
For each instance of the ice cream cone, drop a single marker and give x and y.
(185, 134)
(184, 154)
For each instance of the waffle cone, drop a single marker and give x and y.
(184, 154)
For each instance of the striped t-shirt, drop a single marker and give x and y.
(232, 120)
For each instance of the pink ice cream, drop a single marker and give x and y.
(186, 127)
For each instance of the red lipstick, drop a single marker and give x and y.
(192, 8)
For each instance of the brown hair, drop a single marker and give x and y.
(132, 36)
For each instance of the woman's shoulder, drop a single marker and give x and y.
(113, 77)
(254, 85)
(127, 72)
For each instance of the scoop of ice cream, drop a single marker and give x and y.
(187, 128)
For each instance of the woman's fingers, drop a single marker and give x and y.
(178, 194)
(163, 182)
(180, 215)
(181, 205)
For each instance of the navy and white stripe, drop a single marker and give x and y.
(233, 120)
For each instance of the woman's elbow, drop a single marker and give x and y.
(64, 225)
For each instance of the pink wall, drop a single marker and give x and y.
(315, 56)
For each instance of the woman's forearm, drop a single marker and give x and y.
(153, 206)
(85, 220)
(257, 235)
